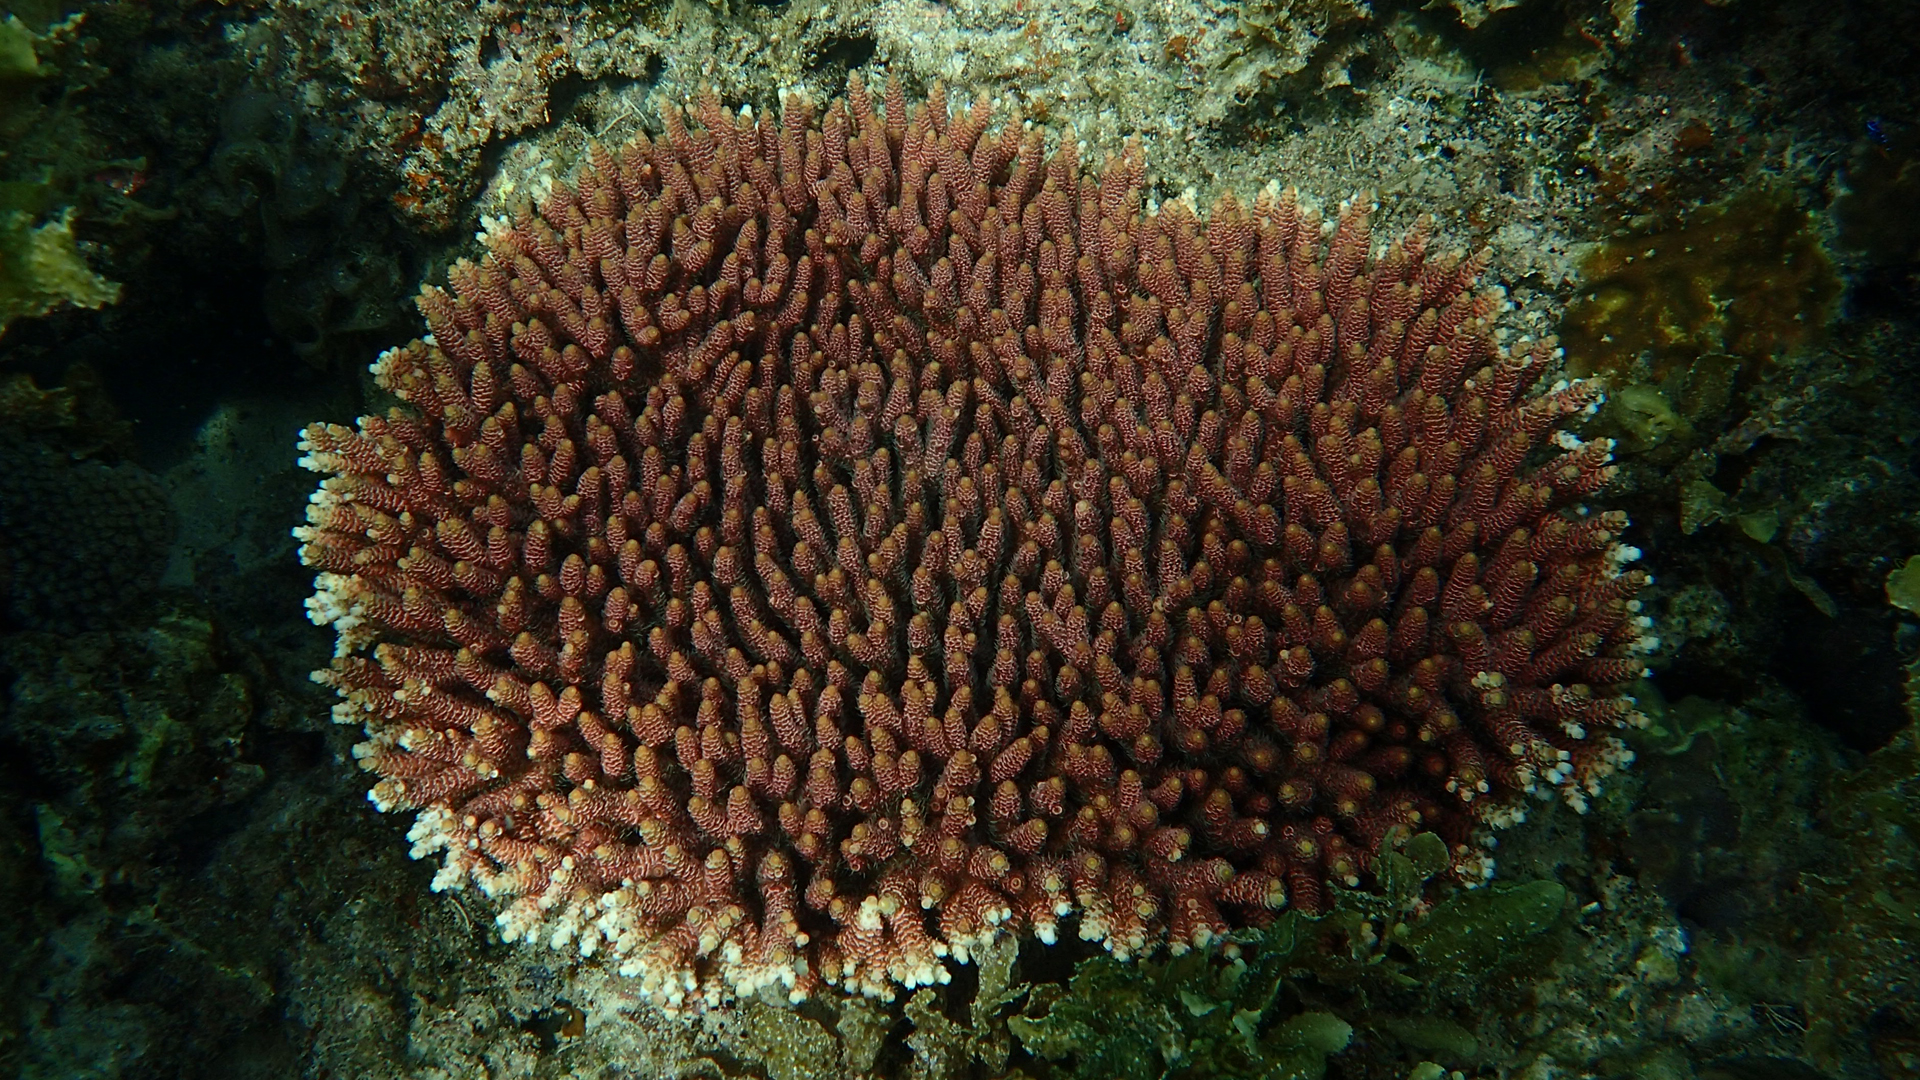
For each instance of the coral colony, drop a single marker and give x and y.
(815, 547)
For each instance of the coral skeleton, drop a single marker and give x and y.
(815, 546)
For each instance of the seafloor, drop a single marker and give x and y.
(1713, 203)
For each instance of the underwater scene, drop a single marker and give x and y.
(1080, 540)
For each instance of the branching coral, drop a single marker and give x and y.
(816, 547)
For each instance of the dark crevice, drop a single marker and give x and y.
(842, 54)
(1845, 671)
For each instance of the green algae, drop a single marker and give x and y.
(1673, 727)
(1190, 1017)
(944, 1048)
(1283, 1001)
(1746, 280)
(862, 1028)
(788, 1045)
(18, 62)
(1486, 929)
(1432, 1034)
(41, 269)
(1643, 420)
(1903, 586)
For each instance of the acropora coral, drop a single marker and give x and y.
(816, 546)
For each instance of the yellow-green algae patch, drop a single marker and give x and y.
(41, 269)
(1746, 278)
(40, 265)
(1644, 418)
(1903, 586)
